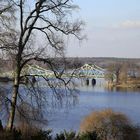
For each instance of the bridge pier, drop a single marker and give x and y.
(93, 82)
(90, 82)
(87, 82)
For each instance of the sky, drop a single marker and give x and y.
(112, 28)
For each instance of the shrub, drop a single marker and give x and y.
(88, 136)
(108, 125)
(73, 136)
(131, 132)
(17, 135)
(66, 136)
(7, 135)
(42, 135)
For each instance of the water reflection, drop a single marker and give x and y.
(122, 89)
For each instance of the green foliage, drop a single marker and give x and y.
(88, 136)
(42, 135)
(66, 136)
(73, 136)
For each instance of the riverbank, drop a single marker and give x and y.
(131, 83)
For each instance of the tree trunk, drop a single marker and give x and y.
(13, 101)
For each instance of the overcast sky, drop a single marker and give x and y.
(112, 29)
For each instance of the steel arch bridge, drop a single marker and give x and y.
(35, 70)
(30, 70)
(90, 71)
(86, 71)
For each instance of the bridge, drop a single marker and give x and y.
(90, 71)
(35, 70)
(86, 71)
(30, 70)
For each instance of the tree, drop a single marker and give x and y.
(7, 19)
(110, 75)
(47, 18)
(114, 71)
(109, 125)
(124, 73)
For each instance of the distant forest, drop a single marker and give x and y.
(76, 62)
(103, 62)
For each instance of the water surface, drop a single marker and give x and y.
(94, 99)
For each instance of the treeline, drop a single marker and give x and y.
(76, 62)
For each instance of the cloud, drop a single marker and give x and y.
(130, 24)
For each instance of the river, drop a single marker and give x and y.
(94, 99)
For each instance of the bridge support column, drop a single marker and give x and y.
(87, 82)
(93, 81)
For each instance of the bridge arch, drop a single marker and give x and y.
(90, 71)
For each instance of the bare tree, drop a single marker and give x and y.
(115, 69)
(110, 74)
(124, 73)
(50, 19)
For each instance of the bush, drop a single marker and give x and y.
(17, 135)
(42, 135)
(73, 136)
(66, 136)
(108, 125)
(131, 132)
(14, 135)
(88, 136)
